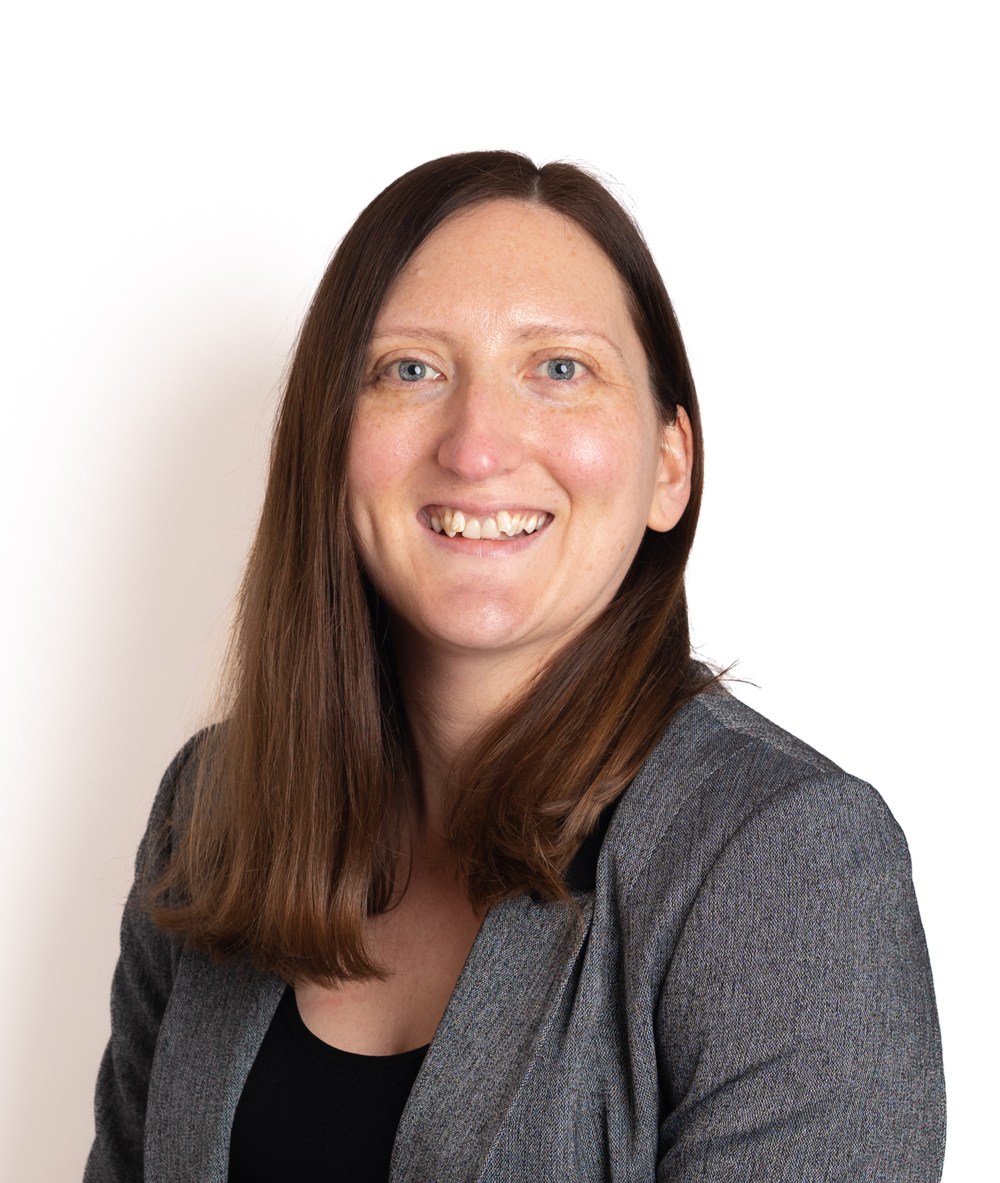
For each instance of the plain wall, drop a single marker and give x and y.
(818, 184)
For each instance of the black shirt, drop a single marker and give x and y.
(316, 1114)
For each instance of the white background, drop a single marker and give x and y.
(819, 186)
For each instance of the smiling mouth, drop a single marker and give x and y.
(502, 526)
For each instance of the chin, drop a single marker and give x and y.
(491, 625)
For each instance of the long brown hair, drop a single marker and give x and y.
(292, 841)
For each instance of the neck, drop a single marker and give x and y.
(450, 695)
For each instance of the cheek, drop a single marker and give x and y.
(382, 447)
(601, 456)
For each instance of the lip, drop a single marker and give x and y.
(486, 548)
(483, 510)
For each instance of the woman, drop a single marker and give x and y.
(482, 873)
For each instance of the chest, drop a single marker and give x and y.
(422, 944)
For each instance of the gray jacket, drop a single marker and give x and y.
(743, 995)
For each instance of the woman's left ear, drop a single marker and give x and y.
(673, 483)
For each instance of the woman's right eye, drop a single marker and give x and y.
(412, 370)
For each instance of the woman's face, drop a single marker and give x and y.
(506, 455)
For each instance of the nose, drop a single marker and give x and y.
(483, 438)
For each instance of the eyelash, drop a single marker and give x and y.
(564, 357)
(385, 372)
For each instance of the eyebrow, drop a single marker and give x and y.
(532, 332)
(414, 331)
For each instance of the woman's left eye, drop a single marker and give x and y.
(560, 369)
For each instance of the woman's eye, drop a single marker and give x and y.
(411, 370)
(561, 369)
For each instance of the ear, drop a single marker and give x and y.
(673, 483)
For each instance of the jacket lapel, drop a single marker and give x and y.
(212, 1030)
(505, 1010)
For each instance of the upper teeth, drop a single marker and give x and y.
(502, 525)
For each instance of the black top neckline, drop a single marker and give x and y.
(288, 1012)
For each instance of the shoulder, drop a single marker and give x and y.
(173, 803)
(723, 776)
(762, 909)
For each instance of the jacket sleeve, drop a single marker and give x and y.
(140, 988)
(797, 1031)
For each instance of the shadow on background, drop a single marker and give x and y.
(148, 590)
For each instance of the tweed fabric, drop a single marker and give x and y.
(744, 995)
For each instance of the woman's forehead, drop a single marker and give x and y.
(526, 265)
(503, 233)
